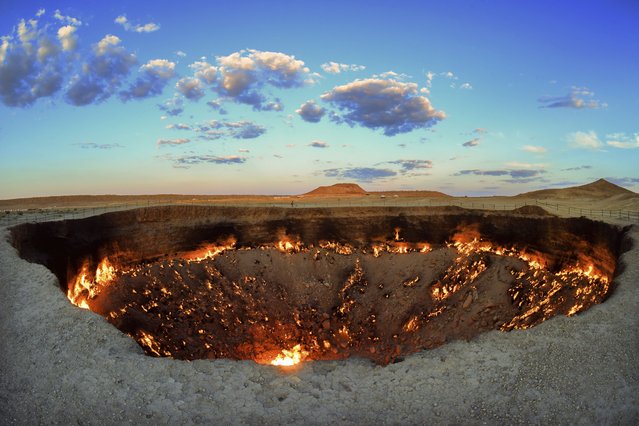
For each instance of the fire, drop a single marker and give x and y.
(286, 246)
(209, 251)
(289, 358)
(85, 288)
(397, 230)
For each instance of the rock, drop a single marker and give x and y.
(468, 301)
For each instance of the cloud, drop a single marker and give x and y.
(93, 145)
(515, 174)
(180, 53)
(624, 181)
(138, 28)
(173, 142)
(578, 98)
(362, 174)
(179, 126)
(243, 150)
(155, 75)
(173, 106)
(243, 75)
(570, 169)
(586, 140)
(410, 165)
(104, 72)
(213, 130)
(534, 149)
(33, 62)
(190, 88)
(319, 144)
(471, 143)
(64, 19)
(67, 38)
(336, 68)
(213, 159)
(311, 112)
(466, 86)
(390, 105)
(480, 131)
(622, 141)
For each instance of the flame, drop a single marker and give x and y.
(209, 251)
(289, 358)
(287, 246)
(397, 230)
(85, 288)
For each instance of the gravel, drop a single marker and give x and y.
(63, 365)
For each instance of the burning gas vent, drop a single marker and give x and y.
(277, 291)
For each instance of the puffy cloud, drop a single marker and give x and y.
(197, 159)
(32, 65)
(390, 105)
(534, 149)
(242, 76)
(67, 38)
(311, 112)
(190, 88)
(411, 165)
(319, 144)
(586, 140)
(155, 75)
(471, 143)
(173, 142)
(362, 174)
(336, 68)
(578, 98)
(623, 141)
(180, 53)
(104, 72)
(64, 19)
(466, 86)
(93, 145)
(138, 28)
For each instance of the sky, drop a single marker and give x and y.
(250, 97)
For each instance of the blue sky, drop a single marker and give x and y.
(466, 97)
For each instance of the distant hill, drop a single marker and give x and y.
(337, 189)
(598, 189)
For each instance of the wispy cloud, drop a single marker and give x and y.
(214, 129)
(93, 145)
(534, 149)
(189, 160)
(336, 68)
(572, 169)
(173, 142)
(138, 28)
(578, 98)
(319, 144)
(585, 140)
(471, 143)
(361, 174)
(411, 165)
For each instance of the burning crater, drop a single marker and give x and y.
(280, 286)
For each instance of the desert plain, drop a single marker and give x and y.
(64, 365)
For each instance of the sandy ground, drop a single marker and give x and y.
(63, 365)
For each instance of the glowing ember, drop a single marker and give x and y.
(289, 358)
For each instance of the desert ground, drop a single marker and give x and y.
(64, 365)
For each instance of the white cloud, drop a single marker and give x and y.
(534, 149)
(578, 98)
(586, 140)
(138, 28)
(67, 37)
(191, 88)
(173, 142)
(336, 68)
(623, 141)
(466, 86)
(319, 144)
(65, 19)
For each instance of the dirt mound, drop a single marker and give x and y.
(531, 210)
(598, 189)
(337, 189)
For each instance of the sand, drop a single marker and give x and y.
(63, 365)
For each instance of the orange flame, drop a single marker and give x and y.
(289, 358)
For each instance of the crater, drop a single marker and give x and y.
(280, 286)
